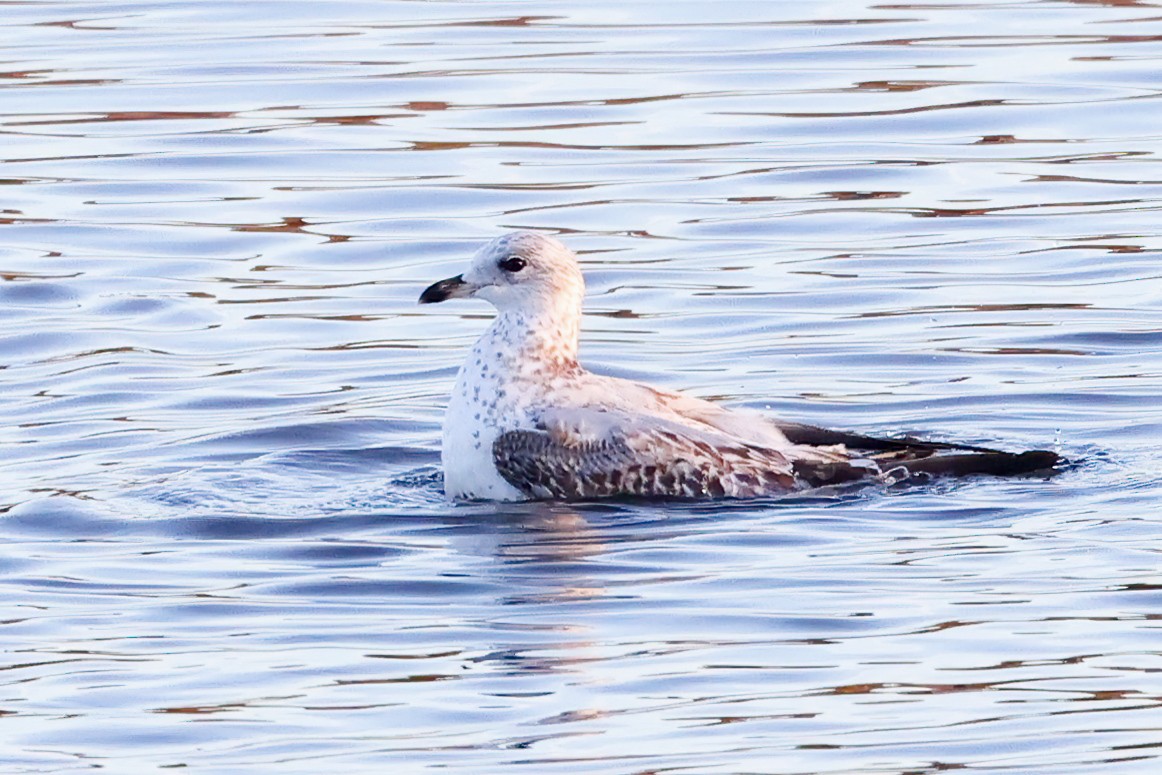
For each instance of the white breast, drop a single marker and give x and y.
(479, 402)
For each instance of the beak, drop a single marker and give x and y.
(452, 288)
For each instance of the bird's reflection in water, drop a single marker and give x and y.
(550, 552)
(550, 618)
(550, 532)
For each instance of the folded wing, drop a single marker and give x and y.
(584, 453)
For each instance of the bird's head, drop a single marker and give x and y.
(522, 270)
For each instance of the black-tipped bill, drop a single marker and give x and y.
(452, 288)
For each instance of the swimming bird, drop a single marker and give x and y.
(527, 421)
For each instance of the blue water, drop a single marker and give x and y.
(226, 547)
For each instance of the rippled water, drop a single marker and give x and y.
(225, 542)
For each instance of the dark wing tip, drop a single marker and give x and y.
(1038, 461)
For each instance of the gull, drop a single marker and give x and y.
(527, 421)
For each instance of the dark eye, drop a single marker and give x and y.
(513, 264)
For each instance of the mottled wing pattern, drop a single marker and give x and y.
(650, 459)
(597, 455)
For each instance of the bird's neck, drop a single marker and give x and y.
(524, 338)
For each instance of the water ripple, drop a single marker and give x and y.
(221, 488)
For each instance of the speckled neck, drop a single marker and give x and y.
(547, 343)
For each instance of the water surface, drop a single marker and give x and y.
(226, 544)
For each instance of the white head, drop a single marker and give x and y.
(520, 271)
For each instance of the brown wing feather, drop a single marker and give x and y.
(655, 462)
(583, 454)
